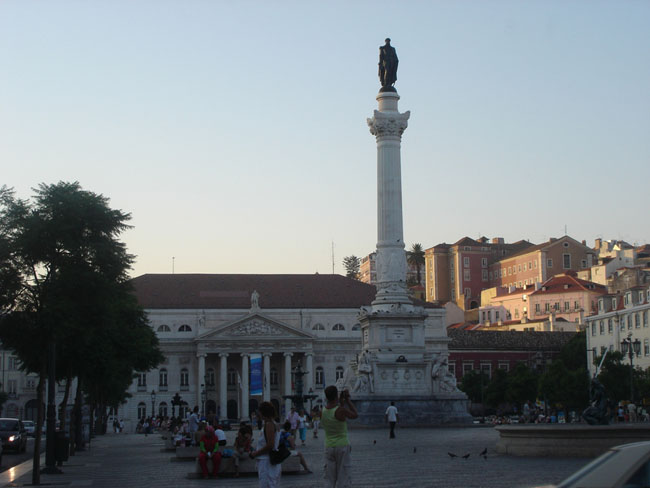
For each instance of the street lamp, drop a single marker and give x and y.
(153, 403)
(630, 347)
(203, 400)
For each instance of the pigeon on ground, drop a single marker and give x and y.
(483, 452)
(466, 456)
(374, 442)
(415, 450)
(452, 455)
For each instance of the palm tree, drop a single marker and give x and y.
(415, 257)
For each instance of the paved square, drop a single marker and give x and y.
(117, 460)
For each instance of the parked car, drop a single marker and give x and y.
(625, 466)
(13, 435)
(30, 427)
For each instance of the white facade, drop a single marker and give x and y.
(619, 317)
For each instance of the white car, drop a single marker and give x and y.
(30, 427)
(625, 466)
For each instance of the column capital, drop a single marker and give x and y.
(309, 353)
(201, 354)
(245, 354)
(288, 354)
(223, 354)
(267, 354)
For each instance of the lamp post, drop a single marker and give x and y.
(153, 403)
(203, 400)
(630, 347)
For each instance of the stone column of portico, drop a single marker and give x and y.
(387, 125)
(266, 393)
(244, 388)
(309, 377)
(287, 381)
(200, 380)
(223, 385)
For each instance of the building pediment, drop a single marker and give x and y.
(254, 326)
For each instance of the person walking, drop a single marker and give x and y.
(269, 474)
(334, 419)
(315, 420)
(392, 417)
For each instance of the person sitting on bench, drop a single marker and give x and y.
(209, 449)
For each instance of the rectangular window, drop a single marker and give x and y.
(602, 327)
(466, 262)
(646, 347)
(484, 262)
(566, 261)
(468, 292)
(12, 387)
(504, 365)
(451, 367)
(549, 263)
(613, 303)
(484, 275)
(626, 299)
(468, 368)
(142, 379)
(602, 350)
(593, 328)
(519, 268)
(583, 263)
(637, 321)
(466, 275)
(556, 306)
(486, 369)
(524, 266)
(516, 313)
(13, 363)
(537, 308)
(576, 305)
(567, 306)
(610, 326)
(645, 318)
(535, 264)
(547, 307)
(491, 276)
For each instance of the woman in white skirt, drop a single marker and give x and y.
(269, 474)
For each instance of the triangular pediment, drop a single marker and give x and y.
(254, 325)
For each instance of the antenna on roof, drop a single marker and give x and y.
(565, 232)
(173, 258)
(332, 257)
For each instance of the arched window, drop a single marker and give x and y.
(273, 377)
(142, 410)
(185, 328)
(339, 373)
(209, 378)
(356, 327)
(318, 327)
(185, 378)
(338, 327)
(164, 328)
(232, 377)
(319, 376)
(162, 409)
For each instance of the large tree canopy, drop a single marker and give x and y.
(64, 278)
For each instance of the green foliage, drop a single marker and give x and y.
(472, 384)
(522, 384)
(496, 391)
(573, 354)
(352, 265)
(415, 257)
(615, 376)
(564, 386)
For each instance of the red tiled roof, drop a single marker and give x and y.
(212, 291)
(557, 283)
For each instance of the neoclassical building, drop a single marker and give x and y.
(209, 325)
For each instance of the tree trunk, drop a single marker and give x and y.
(78, 428)
(64, 404)
(36, 467)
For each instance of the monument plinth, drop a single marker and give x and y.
(396, 363)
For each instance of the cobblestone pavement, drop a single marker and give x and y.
(124, 460)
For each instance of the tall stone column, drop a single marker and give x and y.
(266, 370)
(223, 385)
(287, 381)
(387, 125)
(200, 380)
(244, 387)
(309, 384)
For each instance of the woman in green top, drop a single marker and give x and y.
(337, 446)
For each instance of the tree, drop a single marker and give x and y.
(415, 257)
(615, 376)
(352, 265)
(69, 295)
(522, 384)
(473, 384)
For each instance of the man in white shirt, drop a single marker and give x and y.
(392, 417)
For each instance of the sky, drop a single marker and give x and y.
(235, 134)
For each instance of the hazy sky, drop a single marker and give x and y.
(235, 132)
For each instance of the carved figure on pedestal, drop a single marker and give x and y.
(443, 379)
(365, 377)
(596, 413)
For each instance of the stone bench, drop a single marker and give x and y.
(247, 467)
(187, 453)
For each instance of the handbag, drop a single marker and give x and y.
(276, 456)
